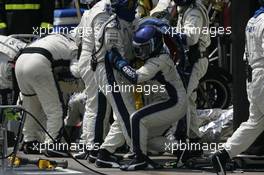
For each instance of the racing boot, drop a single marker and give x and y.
(92, 156)
(140, 162)
(82, 155)
(105, 159)
(219, 161)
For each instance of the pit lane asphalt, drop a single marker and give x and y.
(75, 169)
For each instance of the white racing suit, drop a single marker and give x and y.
(107, 31)
(192, 20)
(161, 6)
(97, 108)
(38, 85)
(76, 109)
(164, 105)
(118, 34)
(248, 131)
(9, 49)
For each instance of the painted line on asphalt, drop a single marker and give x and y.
(57, 171)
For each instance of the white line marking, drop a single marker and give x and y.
(57, 171)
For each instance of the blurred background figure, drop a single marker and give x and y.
(64, 3)
(21, 16)
(9, 49)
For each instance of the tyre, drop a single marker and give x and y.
(213, 92)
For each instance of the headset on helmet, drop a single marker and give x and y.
(124, 9)
(183, 2)
(147, 42)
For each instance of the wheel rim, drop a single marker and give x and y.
(212, 93)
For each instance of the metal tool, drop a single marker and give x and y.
(43, 164)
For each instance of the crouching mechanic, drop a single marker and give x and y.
(10, 47)
(248, 131)
(35, 73)
(150, 122)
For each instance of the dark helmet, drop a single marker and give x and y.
(147, 42)
(124, 9)
(183, 2)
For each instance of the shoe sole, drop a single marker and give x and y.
(105, 164)
(81, 157)
(216, 165)
(91, 159)
(141, 166)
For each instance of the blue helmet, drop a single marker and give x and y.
(160, 24)
(124, 9)
(147, 42)
(183, 2)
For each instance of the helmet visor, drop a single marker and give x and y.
(142, 51)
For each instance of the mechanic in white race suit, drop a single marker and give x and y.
(111, 26)
(192, 20)
(97, 109)
(248, 131)
(150, 122)
(10, 47)
(41, 93)
(75, 111)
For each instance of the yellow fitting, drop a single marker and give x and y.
(137, 95)
(45, 164)
(138, 100)
(15, 160)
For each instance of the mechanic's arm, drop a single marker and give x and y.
(262, 36)
(85, 36)
(3, 25)
(74, 68)
(150, 69)
(147, 72)
(193, 25)
(161, 6)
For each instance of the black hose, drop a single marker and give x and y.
(71, 156)
(44, 129)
